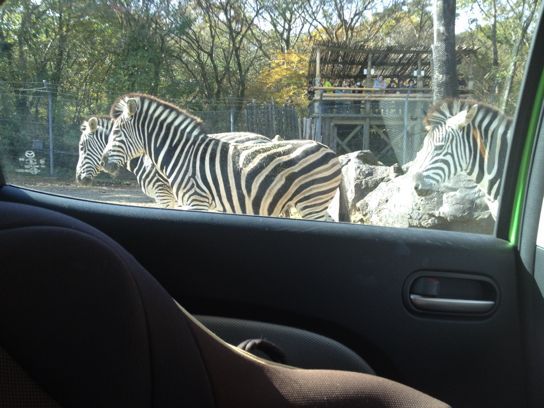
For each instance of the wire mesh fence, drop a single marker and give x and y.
(28, 143)
(268, 119)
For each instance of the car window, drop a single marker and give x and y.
(393, 113)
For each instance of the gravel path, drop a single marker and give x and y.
(131, 195)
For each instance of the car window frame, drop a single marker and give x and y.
(515, 187)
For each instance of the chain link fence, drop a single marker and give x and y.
(25, 135)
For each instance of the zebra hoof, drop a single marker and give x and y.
(85, 181)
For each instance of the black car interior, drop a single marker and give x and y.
(85, 325)
(354, 290)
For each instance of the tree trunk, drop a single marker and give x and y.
(495, 82)
(444, 58)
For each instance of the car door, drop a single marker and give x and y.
(456, 315)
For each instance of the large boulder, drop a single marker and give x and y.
(371, 193)
(457, 206)
(361, 174)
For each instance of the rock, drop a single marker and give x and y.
(371, 193)
(458, 206)
(361, 174)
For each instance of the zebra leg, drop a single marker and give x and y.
(165, 202)
(291, 211)
(314, 211)
(316, 207)
(165, 198)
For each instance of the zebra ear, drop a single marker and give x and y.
(463, 118)
(132, 106)
(93, 124)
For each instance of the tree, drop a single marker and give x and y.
(406, 25)
(525, 17)
(288, 22)
(499, 32)
(219, 50)
(284, 80)
(346, 20)
(443, 49)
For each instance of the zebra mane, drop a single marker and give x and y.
(120, 104)
(448, 107)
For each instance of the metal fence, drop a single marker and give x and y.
(267, 119)
(43, 137)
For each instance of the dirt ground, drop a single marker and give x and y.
(118, 194)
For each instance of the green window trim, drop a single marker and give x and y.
(521, 185)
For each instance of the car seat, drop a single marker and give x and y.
(85, 325)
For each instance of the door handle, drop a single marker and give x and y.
(436, 304)
(451, 293)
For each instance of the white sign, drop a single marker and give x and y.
(29, 163)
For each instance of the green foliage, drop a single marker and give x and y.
(501, 32)
(284, 80)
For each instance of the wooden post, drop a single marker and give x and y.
(318, 110)
(405, 131)
(317, 80)
(366, 134)
(419, 76)
(369, 83)
(50, 127)
(333, 144)
(231, 118)
(273, 110)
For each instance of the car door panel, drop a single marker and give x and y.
(343, 281)
(299, 348)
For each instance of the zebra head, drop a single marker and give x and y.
(93, 139)
(125, 141)
(444, 152)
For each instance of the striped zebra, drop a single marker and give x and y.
(206, 173)
(93, 141)
(94, 137)
(463, 136)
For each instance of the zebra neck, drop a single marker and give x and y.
(169, 138)
(182, 156)
(487, 147)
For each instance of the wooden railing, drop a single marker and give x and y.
(354, 94)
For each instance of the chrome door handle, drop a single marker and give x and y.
(436, 304)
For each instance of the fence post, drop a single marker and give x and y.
(253, 117)
(50, 126)
(231, 118)
(405, 129)
(270, 127)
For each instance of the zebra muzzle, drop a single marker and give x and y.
(109, 166)
(422, 187)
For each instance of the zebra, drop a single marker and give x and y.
(93, 140)
(206, 173)
(463, 136)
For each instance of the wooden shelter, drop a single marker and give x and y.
(333, 60)
(362, 116)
